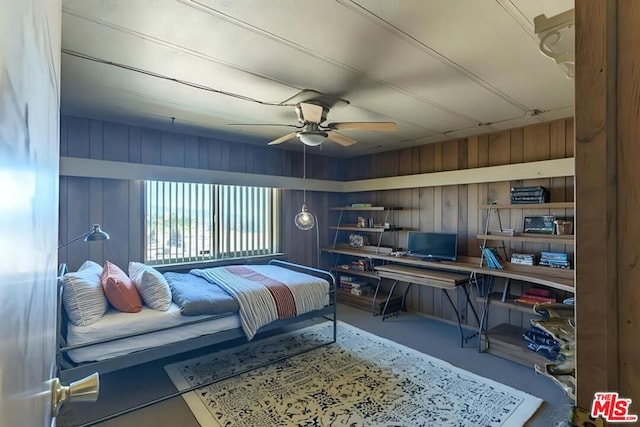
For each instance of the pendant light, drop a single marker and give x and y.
(304, 220)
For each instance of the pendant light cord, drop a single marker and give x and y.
(304, 173)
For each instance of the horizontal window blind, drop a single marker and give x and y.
(187, 222)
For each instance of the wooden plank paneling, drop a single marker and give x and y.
(78, 137)
(116, 142)
(203, 153)
(628, 184)
(78, 220)
(191, 152)
(63, 215)
(136, 220)
(96, 212)
(171, 149)
(536, 143)
(473, 226)
(135, 147)
(150, 147)
(237, 157)
(96, 140)
(63, 136)
(215, 155)
(449, 208)
(116, 221)
(597, 338)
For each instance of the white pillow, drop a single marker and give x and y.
(82, 295)
(88, 264)
(151, 285)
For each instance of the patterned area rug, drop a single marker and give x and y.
(361, 380)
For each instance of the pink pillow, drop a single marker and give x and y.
(119, 289)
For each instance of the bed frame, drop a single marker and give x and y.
(68, 371)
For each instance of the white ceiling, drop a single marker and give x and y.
(440, 69)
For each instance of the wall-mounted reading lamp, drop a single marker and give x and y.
(95, 234)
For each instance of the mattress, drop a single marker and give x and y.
(115, 323)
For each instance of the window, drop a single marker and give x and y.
(187, 222)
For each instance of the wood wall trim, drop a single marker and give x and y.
(530, 170)
(596, 200)
(92, 168)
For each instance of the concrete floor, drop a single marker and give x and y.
(132, 386)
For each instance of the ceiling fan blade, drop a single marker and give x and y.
(339, 138)
(370, 126)
(311, 112)
(283, 138)
(263, 124)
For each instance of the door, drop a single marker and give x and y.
(29, 157)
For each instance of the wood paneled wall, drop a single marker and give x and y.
(607, 133)
(117, 204)
(455, 208)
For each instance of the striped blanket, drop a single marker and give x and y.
(267, 293)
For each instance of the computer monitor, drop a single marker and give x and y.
(433, 246)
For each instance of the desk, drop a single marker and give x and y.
(444, 280)
(556, 278)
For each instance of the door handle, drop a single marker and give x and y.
(84, 390)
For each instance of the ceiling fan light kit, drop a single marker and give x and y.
(312, 138)
(312, 115)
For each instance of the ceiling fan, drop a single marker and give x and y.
(312, 130)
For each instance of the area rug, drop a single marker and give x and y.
(362, 380)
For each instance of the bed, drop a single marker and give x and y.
(206, 307)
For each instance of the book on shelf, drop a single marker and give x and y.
(555, 259)
(491, 258)
(523, 259)
(529, 194)
(503, 232)
(354, 284)
(541, 292)
(527, 188)
(531, 299)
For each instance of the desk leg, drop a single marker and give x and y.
(446, 292)
(487, 286)
(386, 303)
(404, 297)
(375, 297)
(473, 309)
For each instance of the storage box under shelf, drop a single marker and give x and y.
(506, 341)
(365, 302)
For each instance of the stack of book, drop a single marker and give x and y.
(535, 296)
(357, 287)
(530, 194)
(523, 259)
(492, 258)
(555, 259)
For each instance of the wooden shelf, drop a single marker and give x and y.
(552, 205)
(359, 273)
(506, 341)
(364, 229)
(567, 239)
(496, 299)
(370, 208)
(365, 302)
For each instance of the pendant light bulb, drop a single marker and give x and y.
(304, 220)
